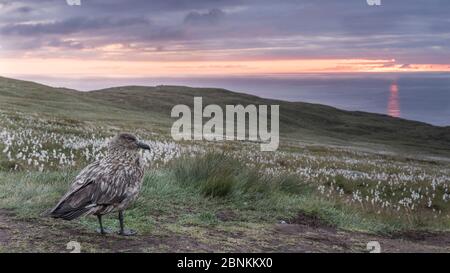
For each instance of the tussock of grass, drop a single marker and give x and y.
(219, 175)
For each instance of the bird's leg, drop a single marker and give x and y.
(124, 232)
(101, 230)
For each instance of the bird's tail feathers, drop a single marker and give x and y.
(66, 212)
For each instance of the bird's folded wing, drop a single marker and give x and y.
(94, 186)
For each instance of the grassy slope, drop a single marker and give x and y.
(304, 121)
(150, 107)
(176, 201)
(168, 205)
(177, 211)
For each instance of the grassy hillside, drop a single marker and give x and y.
(298, 120)
(335, 169)
(150, 107)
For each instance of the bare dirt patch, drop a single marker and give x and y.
(313, 234)
(435, 238)
(226, 215)
(4, 229)
(311, 220)
(303, 234)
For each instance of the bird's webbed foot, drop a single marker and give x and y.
(127, 232)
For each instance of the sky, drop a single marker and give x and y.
(173, 38)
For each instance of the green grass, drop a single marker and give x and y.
(218, 175)
(193, 191)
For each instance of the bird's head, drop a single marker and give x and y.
(128, 142)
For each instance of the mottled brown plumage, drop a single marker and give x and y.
(107, 185)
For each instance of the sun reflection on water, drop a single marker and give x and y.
(393, 103)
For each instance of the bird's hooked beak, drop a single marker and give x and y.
(144, 146)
